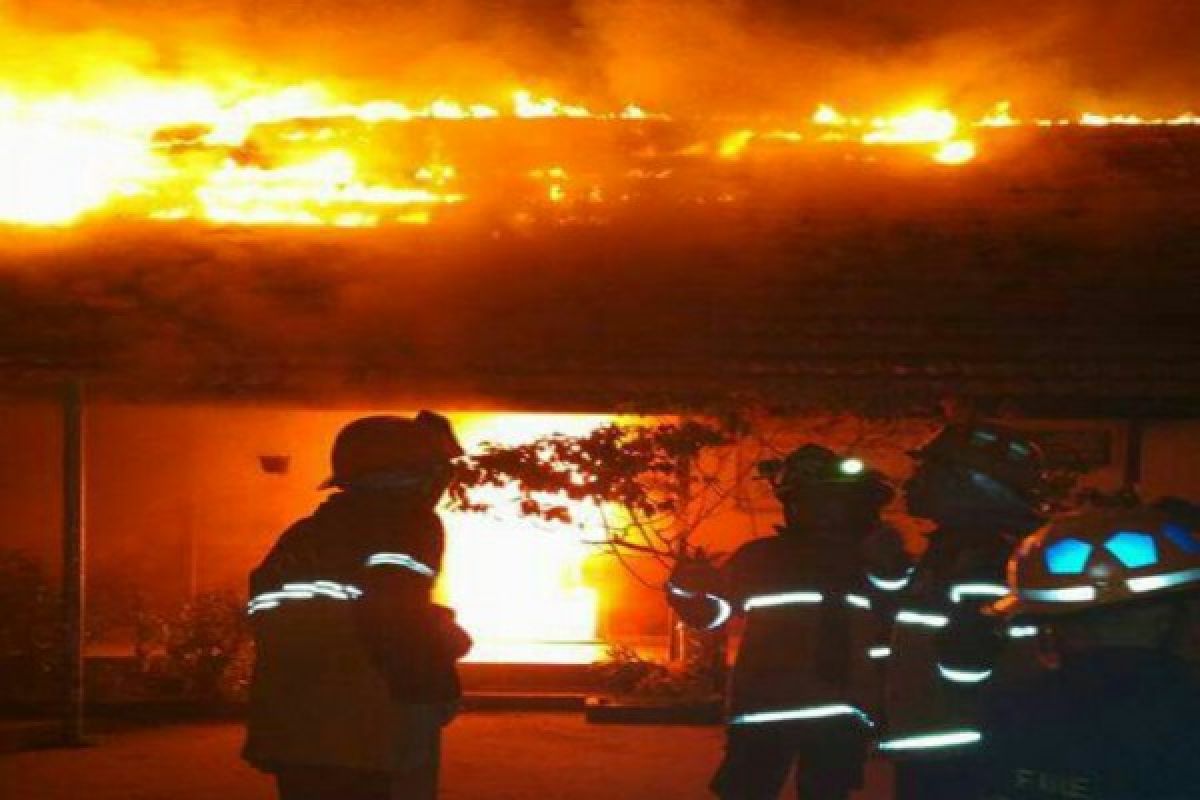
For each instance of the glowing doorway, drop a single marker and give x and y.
(518, 585)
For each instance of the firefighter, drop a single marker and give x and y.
(797, 690)
(980, 484)
(1114, 713)
(355, 670)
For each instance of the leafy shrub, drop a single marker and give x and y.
(626, 674)
(206, 649)
(30, 630)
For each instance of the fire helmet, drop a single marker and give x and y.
(1102, 558)
(813, 466)
(1000, 453)
(381, 445)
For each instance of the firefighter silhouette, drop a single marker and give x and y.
(980, 485)
(355, 670)
(802, 684)
(1112, 715)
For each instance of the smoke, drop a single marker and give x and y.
(1056, 56)
(778, 56)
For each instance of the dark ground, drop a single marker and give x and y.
(498, 756)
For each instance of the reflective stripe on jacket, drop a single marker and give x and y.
(808, 626)
(944, 653)
(930, 706)
(349, 670)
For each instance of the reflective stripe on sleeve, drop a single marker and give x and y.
(1022, 631)
(324, 589)
(724, 612)
(923, 618)
(809, 712)
(403, 560)
(302, 590)
(783, 599)
(932, 741)
(858, 601)
(891, 584)
(879, 651)
(964, 675)
(964, 591)
(724, 608)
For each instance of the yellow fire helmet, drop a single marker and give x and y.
(1100, 558)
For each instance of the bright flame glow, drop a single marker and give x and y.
(828, 115)
(517, 584)
(735, 144)
(250, 154)
(955, 153)
(924, 126)
(52, 173)
(1000, 117)
(303, 194)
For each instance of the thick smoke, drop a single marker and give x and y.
(776, 56)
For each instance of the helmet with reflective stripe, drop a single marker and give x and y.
(384, 445)
(1103, 557)
(1000, 453)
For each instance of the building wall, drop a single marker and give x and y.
(1171, 459)
(178, 502)
(30, 509)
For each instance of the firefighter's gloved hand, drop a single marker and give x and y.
(971, 642)
(456, 641)
(883, 552)
(695, 576)
(694, 591)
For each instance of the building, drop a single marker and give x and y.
(1057, 283)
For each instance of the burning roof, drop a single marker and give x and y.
(716, 209)
(299, 157)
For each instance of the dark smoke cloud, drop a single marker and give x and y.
(776, 55)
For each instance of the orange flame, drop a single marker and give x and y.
(519, 586)
(299, 155)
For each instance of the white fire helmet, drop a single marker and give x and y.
(1103, 557)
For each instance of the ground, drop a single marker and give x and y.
(489, 756)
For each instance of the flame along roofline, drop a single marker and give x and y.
(70, 155)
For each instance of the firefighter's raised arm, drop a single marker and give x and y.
(888, 566)
(697, 592)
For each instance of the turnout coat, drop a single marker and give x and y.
(355, 664)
